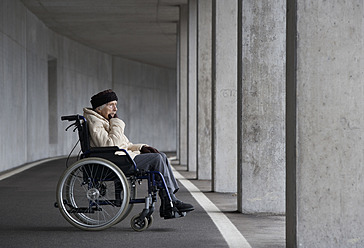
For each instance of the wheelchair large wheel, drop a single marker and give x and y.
(93, 194)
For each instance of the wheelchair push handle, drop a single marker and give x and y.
(70, 117)
(76, 118)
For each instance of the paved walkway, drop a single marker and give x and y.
(28, 218)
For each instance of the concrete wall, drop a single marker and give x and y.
(13, 98)
(325, 146)
(26, 44)
(31, 103)
(147, 102)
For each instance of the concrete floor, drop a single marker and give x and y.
(261, 231)
(28, 218)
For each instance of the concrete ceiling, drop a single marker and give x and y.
(140, 30)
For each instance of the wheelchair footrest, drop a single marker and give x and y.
(73, 210)
(167, 212)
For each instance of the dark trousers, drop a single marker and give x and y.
(158, 162)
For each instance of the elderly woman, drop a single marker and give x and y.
(106, 129)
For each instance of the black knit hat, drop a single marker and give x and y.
(102, 98)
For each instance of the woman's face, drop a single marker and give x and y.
(109, 109)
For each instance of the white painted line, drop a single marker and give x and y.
(26, 167)
(228, 230)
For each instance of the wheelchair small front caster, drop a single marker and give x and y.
(150, 220)
(138, 224)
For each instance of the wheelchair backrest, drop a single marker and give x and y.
(83, 133)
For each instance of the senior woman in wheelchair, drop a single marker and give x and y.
(106, 129)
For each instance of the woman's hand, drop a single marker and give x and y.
(110, 116)
(148, 149)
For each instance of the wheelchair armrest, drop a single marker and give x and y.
(108, 152)
(104, 149)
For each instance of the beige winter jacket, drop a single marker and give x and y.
(109, 133)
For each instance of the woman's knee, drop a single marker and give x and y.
(164, 156)
(153, 159)
(156, 157)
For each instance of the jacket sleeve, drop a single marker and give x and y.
(114, 136)
(103, 137)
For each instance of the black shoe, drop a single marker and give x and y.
(183, 207)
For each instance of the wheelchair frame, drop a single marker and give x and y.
(87, 188)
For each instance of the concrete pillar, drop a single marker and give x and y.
(325, 123)
(182, 87)
(2, 80)
(204, 90)
(192, 85)
(262, 107)
(224, 96)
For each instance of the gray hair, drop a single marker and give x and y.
(99, 108)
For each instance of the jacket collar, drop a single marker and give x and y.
(90, 111)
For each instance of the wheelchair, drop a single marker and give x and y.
(100, 189)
